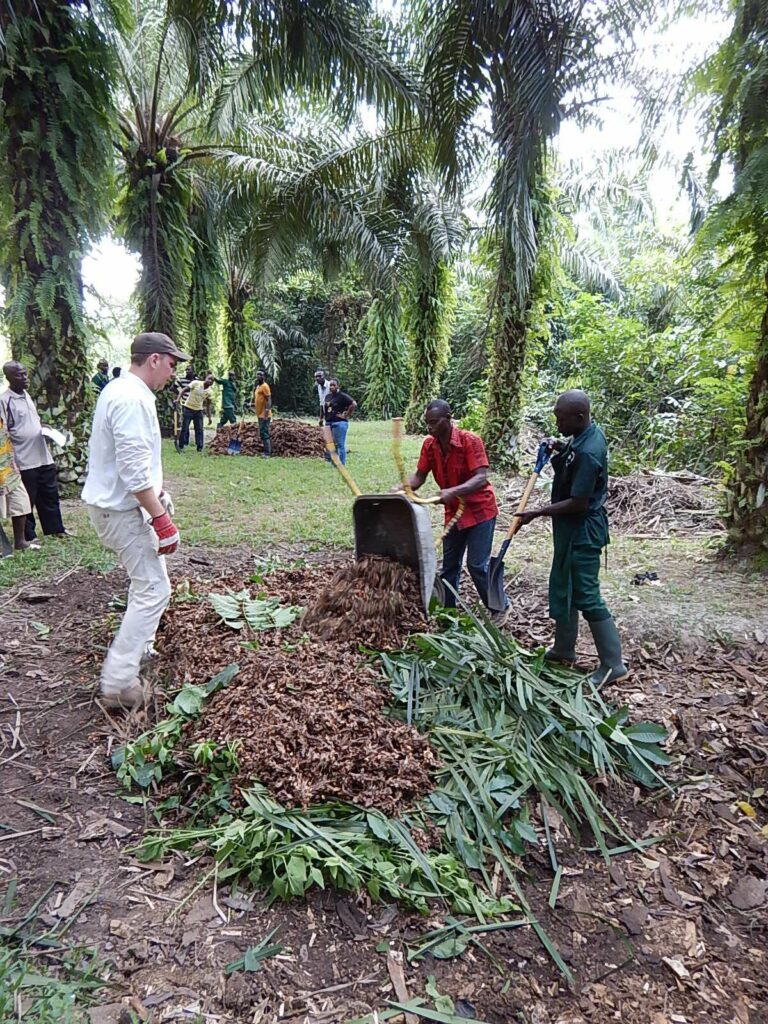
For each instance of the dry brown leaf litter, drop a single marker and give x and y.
(653, 503)
(308, 713)
(290, 438)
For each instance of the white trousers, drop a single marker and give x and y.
(134, 542)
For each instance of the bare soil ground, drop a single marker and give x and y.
(678, 935)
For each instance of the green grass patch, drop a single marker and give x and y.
(56, 556)
(32, 993)
(228, 500)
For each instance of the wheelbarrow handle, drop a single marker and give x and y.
(331, 449)
(397, 436)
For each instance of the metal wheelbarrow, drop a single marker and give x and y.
(392, 526)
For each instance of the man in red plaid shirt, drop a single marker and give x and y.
(457, 460)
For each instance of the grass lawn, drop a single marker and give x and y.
(242, 499)
(303, 504)
(236, 500)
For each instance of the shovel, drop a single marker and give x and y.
(6, 548)
(496, 596)
(176, 428)
(235, 445)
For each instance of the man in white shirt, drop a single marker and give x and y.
(129, 509)
(323, 387)
(31, 453)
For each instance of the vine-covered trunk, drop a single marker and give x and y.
(203, 309)
(501, 428)
(55, 161)
(748, 496)
(428, 321)
(237, 343)
(386, 360)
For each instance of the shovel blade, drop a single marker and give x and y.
(497, 599)
(6, 548)
(234, 447)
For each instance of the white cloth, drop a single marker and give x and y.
(322, 393)
(124, 454)
(134, 542)
(25, 430)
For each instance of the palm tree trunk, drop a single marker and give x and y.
(501, 428)
(386, 360)
(748, 497)
(54, 207)
(237, 342)
(428, 321)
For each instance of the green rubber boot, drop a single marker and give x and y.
(611, 668)
(564, 647)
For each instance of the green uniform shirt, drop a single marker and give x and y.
(228, 393)
(100, 381)
(581, 471)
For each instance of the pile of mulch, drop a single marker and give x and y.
(651, 503)
(311, 728)
(290, 439)
(661, 503)
(375, 601)
(309, 713)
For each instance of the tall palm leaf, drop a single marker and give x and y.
(519, 61)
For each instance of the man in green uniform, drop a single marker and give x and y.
(228, 398)
(580, 532)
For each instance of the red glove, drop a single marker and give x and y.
(167, 534)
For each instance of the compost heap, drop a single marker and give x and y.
(375, 601)
(306, 707)
(290, 438)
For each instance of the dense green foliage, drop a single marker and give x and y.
(276, 229)
(55, 170)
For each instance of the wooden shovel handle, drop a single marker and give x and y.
(521, 506)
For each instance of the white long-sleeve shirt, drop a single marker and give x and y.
(124, 454)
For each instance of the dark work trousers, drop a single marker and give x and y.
(43, 489)
(191, 416)
(476, 541)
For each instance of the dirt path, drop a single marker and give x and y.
(677, 936)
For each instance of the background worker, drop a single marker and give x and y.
(116, 371)
(101, 378)
(339, 406)
(228, 398)
(193, 396)
(579, 533)
(262, 403)
(457, 460)
(14, 500)
(322, 388)
(130, 511)
(31, 453)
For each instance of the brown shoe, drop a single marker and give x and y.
(499, 619)
(128, 699)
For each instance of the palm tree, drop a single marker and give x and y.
(738, 74)
(55, 166)
(519, 61)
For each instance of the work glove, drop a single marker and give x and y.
(167, 502)
(167, 534)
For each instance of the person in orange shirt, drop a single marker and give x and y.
(262, 403)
